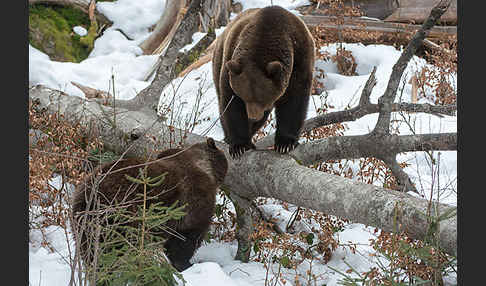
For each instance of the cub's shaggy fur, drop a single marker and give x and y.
(193, 177)
(265, 59)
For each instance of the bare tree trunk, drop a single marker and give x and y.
(212, 14)
(168, 23)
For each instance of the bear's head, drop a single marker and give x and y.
(207, 157)
(258, 88)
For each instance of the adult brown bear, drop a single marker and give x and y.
(193, 177)
(265, 59)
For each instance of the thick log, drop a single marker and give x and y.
(405, 11)
(363, 24)
(379, 9)
(265, 173)
(416, 11)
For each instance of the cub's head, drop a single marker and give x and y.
(204, 156)
(209, 158)
(258, 88)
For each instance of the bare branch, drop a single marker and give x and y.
(404, 181)
(362, 146)
(90, 92)
(364, 108)
(386, 100)
(360, 111)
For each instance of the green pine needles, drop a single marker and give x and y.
(131, 247)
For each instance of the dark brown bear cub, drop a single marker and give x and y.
(193, 177)
(265, 59)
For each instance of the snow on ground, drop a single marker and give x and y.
(80, 31)
(115, 55)
(133, 17)
(288, 4)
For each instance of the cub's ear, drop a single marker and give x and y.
(274, 69)
(234, 67)
(211, 143)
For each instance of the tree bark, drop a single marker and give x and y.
(379, 9)
(212, 14)
(407, 11)
(417, 11)
(168, 23)
(375, 26)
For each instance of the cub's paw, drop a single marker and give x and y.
(285, 144)
(236, 150)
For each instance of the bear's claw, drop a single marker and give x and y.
(237, 150)
(285, 148)
(285, 144)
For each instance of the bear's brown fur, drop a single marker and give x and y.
(193, 177)
(264, 58)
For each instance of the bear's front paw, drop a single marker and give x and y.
(236, 150)
(285, 144)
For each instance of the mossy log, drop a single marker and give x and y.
(82, 5)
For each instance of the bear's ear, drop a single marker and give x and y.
(211, 143)
(234, 67)
(274, 69)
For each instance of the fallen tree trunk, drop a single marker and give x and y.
(405, 11)
(265, 173)
(379, 9)
(375, 26)
(417, 11)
